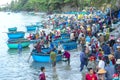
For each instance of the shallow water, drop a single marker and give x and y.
(15, 67)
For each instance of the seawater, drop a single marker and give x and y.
(15, 67)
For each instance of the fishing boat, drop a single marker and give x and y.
(44, 55)
(13, 29)
(16, 35)
(13, 44)
(41, 57)
(61, 40)
(70, 46)
(55, 42)
(65, 35)
(39, 24)
(34, 40)
(31, 28)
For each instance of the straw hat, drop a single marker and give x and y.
(87, 43)
(93, 24)
(101, 71)
(118, 61)
(110, 56)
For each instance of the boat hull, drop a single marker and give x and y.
(34, 41)
(70, 46)
(30, 28)
(45, 58)
(12, 29)
(15, 45)
(16, 35)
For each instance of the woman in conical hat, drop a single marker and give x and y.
(101, 74)
(101, 71)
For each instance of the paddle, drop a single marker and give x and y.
(29, 57)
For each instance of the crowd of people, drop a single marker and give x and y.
(99, 49)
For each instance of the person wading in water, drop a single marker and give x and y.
(53, 59)
(19, 48)
(42, 74)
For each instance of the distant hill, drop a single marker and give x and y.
(58, 5)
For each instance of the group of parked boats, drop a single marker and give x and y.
(44, 55)
(18, 37)
(15, 37)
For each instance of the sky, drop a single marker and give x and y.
(2, 2)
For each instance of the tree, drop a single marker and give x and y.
(51, 5)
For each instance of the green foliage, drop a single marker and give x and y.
(67, 1)
(51, 5)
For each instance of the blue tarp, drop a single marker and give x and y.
(119, 15)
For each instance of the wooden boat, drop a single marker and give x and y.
(13, 29)
(31, 28)
(13, 44)
(16, 35)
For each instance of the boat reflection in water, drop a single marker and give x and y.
(15, 51)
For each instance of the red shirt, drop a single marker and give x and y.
(91, 77)
(113, 61)
(42, 76)
(47, 37)
(66, 54)
(38, 47)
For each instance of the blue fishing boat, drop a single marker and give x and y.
(31, 28)
(70, 46)
(16, 35)
(41, 57)
(44, 56)
(39, 24)
(35, 40)
(65, 35)
(13, 29)
(55, 42)
(13, 44)
(61, 40)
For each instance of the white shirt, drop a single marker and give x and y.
(60, 47)
(72, 36)
(101, 64)
(31, 46)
